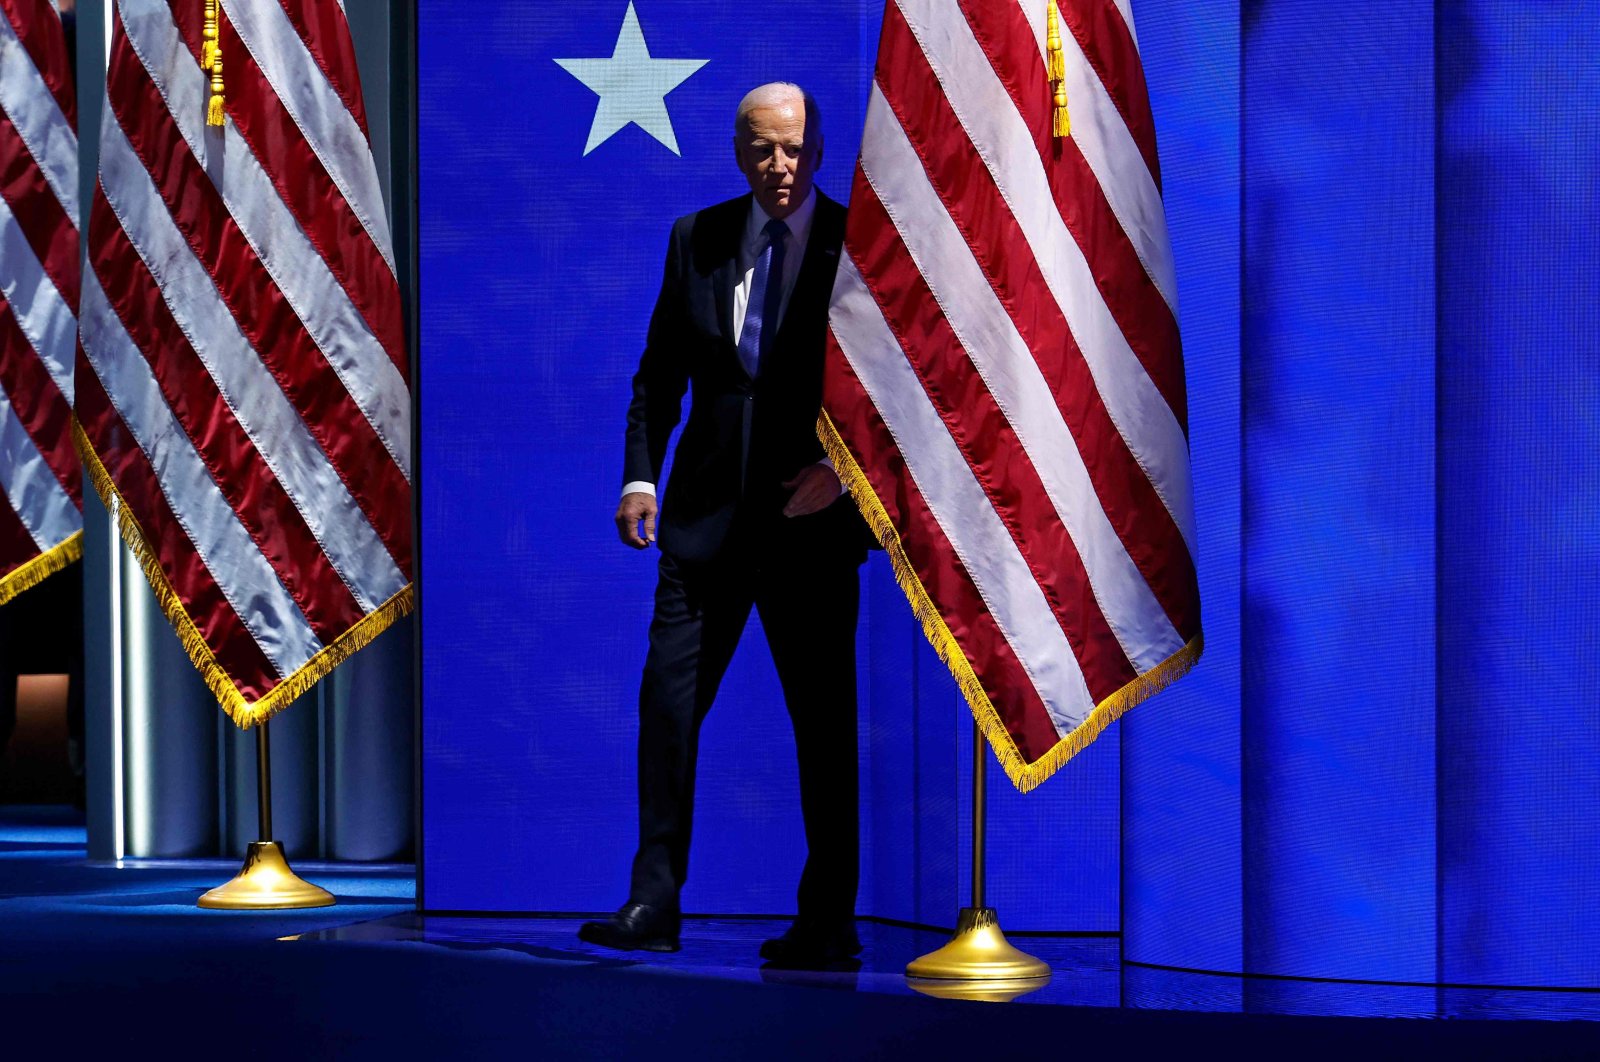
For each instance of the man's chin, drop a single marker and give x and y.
(780, 205)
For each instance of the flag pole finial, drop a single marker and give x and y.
(1057, 69)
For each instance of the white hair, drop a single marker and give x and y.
(777, 94)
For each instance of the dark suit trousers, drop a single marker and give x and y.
(808, 610)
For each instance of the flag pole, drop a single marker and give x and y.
(266, 882)
(978, 961)
(263, 783)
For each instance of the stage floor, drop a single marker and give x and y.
(1086, 971)
(1085, 968)
(97, 958)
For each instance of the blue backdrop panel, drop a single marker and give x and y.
(539, 265)
(1419, 717)
(910, 867)
(1519, 497)
(1337, 787)
(1180, 762)
(1051, 852)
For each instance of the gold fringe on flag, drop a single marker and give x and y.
(1057, 69)
(1024, 775)
(244, 713)
(35, 570)
(211, 59)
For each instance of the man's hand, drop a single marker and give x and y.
(634, 508)
(815, 488)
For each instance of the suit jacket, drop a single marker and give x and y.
(745, 436)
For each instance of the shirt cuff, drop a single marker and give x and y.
(639, 486)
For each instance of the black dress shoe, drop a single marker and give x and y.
(637, 927)
(811, 942)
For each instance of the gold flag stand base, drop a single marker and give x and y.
(979, 991)
(978, 952)
(978, 962)
(266, 883)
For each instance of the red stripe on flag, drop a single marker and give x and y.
(213, 615)
(313, 198)
(38, 404)
(17, 546)
(976, 423)
(1107, 43)
(38, 27)
(933, 559)
(367, 470)
(326, 35)
(1143, 524)
(263, 507)
(52, 235)
(1135, 302)
(190, 19)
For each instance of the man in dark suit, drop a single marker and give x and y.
(753, 516)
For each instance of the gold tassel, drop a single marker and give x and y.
(208, 51)
(211, 59)
(214, 109)
(1057, 69)
(1052, 44)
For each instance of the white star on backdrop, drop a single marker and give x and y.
(632, 86)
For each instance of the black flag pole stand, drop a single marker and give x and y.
(266, 882)
(978, 962)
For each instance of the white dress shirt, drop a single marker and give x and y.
(751, 244)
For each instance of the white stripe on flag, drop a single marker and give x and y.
(1125, 9)
(41, 311)
(317, 109)
(978, 537)
(225, 547)
(1137, 408)
(266, 414)
(41, 503)
(28, 102)
(1002, 358)
(1118, 164)
(333, 322)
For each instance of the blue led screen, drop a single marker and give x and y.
(1518, 458)
(540, 264)
(1415, 733)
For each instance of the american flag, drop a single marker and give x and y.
(41, 504)
(1004, 392)
(241, 380)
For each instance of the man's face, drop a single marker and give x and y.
(777, 157)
